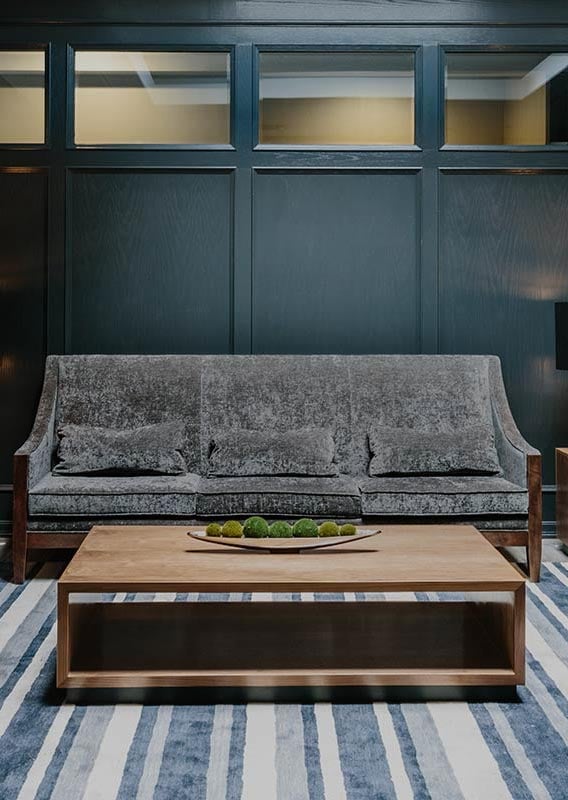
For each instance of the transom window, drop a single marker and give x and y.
(342, 99)
(152, 98)
(22, 96)
(506, 99)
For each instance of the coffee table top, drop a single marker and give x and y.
(162, 558)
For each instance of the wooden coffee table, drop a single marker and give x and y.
(477, 640)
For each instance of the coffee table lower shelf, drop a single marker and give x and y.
(478, 641)
(295, 678)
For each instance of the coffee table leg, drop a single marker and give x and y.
(63, 655)
(503, 615)
(519, 634)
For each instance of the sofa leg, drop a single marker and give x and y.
(19, 555)
(534, 544)
(534, 556)
(20, 519)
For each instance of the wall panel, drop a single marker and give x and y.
(297, 250)
(23, 263)
(335, 261)
(149, 267)
(503, 263)
(492, 12)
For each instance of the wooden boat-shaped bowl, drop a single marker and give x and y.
(288, 545)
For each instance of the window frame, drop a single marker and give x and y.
(488, 148)
(70, 143)
(415, 50)
(34, 47)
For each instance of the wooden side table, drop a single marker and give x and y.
(562, 494)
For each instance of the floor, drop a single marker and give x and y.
(72, 750)
(552, 550)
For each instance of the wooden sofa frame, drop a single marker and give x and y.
(24, 540)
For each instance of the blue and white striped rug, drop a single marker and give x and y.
(442, 751)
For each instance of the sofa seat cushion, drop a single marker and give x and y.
(442, 496)
(279, 497)
(81, 495)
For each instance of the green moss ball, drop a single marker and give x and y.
(213, 529)
(233, 529)
(347, 530)
(255, 527)
(305, 528)
(329, 529)
(280, 530)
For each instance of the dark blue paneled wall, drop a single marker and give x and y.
(262, 250)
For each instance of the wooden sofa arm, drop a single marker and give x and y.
(32, 461)
(534, 541)
(20, 517)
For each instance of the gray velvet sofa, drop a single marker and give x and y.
(347, 395)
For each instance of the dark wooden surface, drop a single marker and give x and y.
(534, 543)
(316, 11)
(446, 259)
(23, 270)
(321, 271)
(562, 494)
(149, 265)
(20, 518)
(286, 636)
(55, 541)
(503, 257)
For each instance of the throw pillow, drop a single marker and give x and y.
(148, 450)
(307, 451)
(405, 451)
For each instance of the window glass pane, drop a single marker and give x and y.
(506, 98)
(152, 98)
(22, 97)
(337, 98)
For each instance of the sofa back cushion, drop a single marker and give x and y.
(430, 394)
(308, 451)
(116, 391)
(405, 451)
(346, 394)
(278, 394)
(148, 450)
